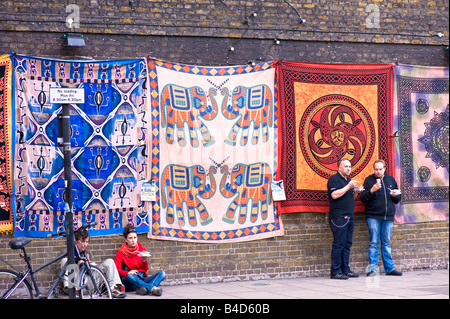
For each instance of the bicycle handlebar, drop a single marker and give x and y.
(62, 233)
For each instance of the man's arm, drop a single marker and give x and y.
(340, 192)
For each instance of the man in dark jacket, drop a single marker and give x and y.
(380, 196)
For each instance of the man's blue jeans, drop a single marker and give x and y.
(342, 229)
(131, 282)
(380, 230)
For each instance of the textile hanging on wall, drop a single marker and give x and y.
(6, 213)
(213, 152)
(329, 112)
(422, 122)
(108, 145)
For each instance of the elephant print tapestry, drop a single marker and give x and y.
(213, 152)
(108, 145)
(329, 112)
(6, 213)
(421, 144)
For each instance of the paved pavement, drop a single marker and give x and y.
(424, 284)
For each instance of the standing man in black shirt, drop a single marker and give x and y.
(341, 196)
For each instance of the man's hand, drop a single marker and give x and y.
(353, 184)
(375, 187)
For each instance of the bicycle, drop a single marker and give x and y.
(14, 284)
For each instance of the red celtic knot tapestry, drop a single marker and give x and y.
(329, 112)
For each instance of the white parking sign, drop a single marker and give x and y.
(67, 95)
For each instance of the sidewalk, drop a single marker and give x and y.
(424, 284)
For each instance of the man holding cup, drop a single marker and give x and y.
(341, 195)
(380, 195)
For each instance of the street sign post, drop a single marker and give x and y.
(67, 96)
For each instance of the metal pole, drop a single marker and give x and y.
(65, 121)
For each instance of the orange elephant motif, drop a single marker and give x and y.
(186, 185)
(251, 107)
(251, 183)
(180, 105)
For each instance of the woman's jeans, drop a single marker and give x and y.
(342, 229)
(380, 229)
(131, 282)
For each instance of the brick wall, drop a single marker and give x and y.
(201, 32)
(396, 21)
(304, 251)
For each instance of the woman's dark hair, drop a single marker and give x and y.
(128, 229)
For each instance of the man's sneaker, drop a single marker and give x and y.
(156, 291)
(65, 290)
(351, 274)
(116, 293)
(339, 276)
(372, 273)
(394, 273)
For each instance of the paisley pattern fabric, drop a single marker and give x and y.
(329, 112)
(214, 152)
(108, 145)
(421, 124)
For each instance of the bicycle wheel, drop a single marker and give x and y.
(8, 279)
(89, 290)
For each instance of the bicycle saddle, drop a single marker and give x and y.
(19, 243)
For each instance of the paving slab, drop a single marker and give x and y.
(423, 284)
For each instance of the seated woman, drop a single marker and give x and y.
(132, 265)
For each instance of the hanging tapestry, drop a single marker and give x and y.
(108, 145)
(329, 112)
(421, 120)
(213, 152)
(6, 213)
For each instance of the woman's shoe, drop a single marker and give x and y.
(156, 291)
(141, 291)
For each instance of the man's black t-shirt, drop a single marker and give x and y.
(344, 205)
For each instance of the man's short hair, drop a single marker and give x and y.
(341, 160)
(379, 161)
(81, 233)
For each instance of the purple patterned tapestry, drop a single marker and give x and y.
(422, 144)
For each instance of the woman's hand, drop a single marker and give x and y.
(133, 272)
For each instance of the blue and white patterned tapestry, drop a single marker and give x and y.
(108, 145)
